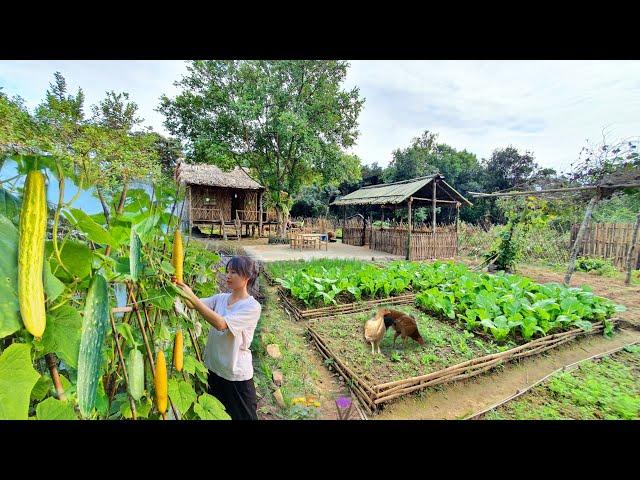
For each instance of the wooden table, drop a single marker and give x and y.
(310, 239)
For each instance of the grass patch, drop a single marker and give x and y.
(299, 372)
(603, 389)
(445, 345)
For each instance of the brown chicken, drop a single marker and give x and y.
(374, 330)
(403, 324)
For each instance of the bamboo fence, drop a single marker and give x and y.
(424, 243)
(608, 240)
(354, 232)
(374, 396)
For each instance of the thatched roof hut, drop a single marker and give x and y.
(216, 196)
(210, 175)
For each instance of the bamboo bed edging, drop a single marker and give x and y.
(506, 353)
(361, 382)
(568, 367)
(363, 397)
(463, 373)
(335, 310)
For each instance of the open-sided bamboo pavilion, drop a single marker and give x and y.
(415, 242)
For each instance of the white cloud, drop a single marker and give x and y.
(548, 107)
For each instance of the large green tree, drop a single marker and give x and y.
(286, 120)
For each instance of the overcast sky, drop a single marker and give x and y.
(548, 107)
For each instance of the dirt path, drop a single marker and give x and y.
(461, 399)
(330, 388)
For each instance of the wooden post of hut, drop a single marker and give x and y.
(190, 216)
(260, 214)
(457, 220)
(409, 242)
(344, 222)
(433, 217)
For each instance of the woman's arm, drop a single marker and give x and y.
(215, 319)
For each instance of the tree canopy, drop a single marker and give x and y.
(289, 121)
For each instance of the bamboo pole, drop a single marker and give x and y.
(629, 260)
(579, 237)
(553, 190)
(361, 397)
(433, 206)
(528, 345)
(124, 367)
(457, 372)
(136, 309)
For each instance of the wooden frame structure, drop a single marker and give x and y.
(606, 187)
(431, 191)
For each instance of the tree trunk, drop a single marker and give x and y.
(578, 242)
(632, 249)
(105, 207)
(123, 197)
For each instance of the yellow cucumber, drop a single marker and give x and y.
(32, 231)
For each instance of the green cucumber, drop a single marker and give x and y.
(94, 328)
(135, 371)
(135, 263)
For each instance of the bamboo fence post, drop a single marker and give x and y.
(579, 237)
(630, 250)
(260, 214)
(124, 367)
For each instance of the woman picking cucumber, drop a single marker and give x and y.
(234, 317)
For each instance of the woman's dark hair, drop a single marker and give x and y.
(245, 267)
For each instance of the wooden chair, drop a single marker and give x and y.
(295, 241)
(323, 239)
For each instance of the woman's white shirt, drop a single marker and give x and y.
(228, 353)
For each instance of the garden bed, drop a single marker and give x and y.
(606, 386)
(449, 354)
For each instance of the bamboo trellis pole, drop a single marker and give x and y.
(578, 242)
(124, 367)
(552, 190)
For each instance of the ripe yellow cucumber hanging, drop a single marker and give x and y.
(32, 231)
(178, 256)
(160, 383)
(178, 260)
(178, 351)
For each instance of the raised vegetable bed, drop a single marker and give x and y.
(449, 354)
